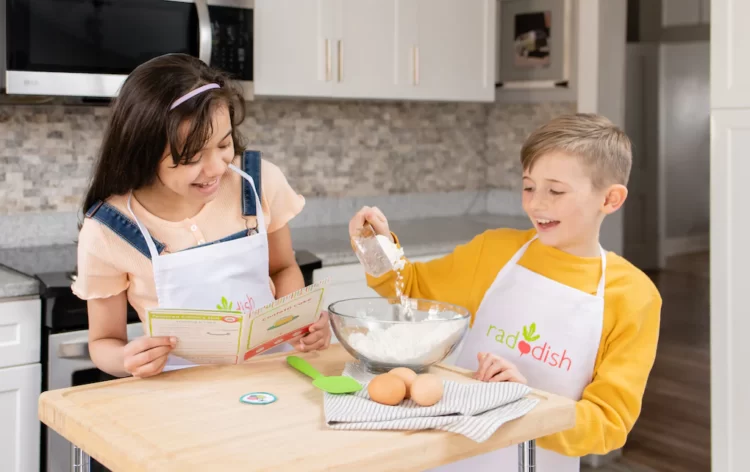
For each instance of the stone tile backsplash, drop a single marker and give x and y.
(326, 149)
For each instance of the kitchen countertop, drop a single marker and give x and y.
(191, 419)
(15, 284)
(18, 264)
(420, 237)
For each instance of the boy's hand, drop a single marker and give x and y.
(494, 368)
(371, 215)
(319, 337)
(146, 356)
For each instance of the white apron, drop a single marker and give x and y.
(198, 278)
(550, 331)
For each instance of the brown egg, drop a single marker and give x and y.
(407, 375)
(387, 389)
(427, 389)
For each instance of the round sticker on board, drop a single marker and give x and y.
(258, 398)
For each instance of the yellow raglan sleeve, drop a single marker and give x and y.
(611, 403)
(448, 279)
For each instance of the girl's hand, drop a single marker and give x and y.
(373, 216)
(494, 368)
(318, 338)
(147, 356)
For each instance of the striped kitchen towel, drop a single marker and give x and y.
(475, 410)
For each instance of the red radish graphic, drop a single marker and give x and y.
(529, 335)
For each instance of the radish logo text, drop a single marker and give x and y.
(528, 345)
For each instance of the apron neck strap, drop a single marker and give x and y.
(150, 241)
(146, 235)
(600, 288)
(602, 280)
(258, 208)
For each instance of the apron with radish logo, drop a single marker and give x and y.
(550, 331)
(208, 277)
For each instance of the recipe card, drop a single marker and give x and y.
(231, 337)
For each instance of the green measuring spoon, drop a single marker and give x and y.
(335, 384)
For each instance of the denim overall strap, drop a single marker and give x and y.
(122, 226)
(251, 162)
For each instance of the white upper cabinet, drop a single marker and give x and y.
(455, 56)
(730, 41)
(293, 47)
(376, 49)
(365, 60)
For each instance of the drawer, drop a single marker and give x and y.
(20, 332)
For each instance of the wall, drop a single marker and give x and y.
(685, 69)
(678, 30)
(326, 149)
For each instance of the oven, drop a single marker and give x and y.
(86, 48)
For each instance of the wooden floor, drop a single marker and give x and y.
(673, 433)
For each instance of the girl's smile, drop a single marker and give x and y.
(209, 187)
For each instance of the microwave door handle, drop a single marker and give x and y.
(204, 31)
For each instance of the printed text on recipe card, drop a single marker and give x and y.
(205, 336)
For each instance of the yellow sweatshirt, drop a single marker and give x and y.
(612, 401)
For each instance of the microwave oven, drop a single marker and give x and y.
(86, 48)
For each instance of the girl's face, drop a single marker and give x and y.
(198, 180)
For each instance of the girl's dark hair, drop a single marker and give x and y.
(141, 125)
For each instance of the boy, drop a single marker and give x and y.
(551, 307)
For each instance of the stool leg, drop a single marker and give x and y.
(527, 456)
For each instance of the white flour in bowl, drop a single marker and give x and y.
(411, 343)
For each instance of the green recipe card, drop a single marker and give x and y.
(231, 337)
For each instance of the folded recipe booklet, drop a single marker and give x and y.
(232, 337)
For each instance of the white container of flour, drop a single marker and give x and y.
(377, 253)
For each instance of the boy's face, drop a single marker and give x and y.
(563, 205)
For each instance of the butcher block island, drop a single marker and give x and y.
(193, 419)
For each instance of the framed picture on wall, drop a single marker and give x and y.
(534, 43)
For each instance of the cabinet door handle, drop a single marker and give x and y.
(415, 67)
(341, 60)
(328, 59)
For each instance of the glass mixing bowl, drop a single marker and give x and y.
(384, 334)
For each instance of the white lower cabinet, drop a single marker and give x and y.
(20, 388)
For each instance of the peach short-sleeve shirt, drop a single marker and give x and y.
(109, 265)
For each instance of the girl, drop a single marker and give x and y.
(178, 215)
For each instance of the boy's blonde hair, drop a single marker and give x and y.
(602, 147)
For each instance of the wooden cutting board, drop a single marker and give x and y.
(192, 419)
